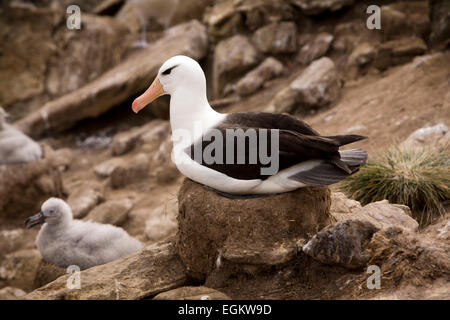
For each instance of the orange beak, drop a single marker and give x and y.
(153, 92)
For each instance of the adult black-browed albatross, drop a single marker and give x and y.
(304, 157)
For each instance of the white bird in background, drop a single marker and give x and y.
(16, 147)
(305, 158)
(64, 241)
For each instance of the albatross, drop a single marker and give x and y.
(301, 155)
(64, 241)
(16, 147)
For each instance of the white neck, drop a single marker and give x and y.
(192, 114)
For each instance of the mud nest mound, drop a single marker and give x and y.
(264, 231)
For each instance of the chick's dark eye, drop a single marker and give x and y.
(167, 71)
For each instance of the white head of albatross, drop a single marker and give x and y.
(305, 158)
(184, 80)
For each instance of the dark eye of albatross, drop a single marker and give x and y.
(167, 71)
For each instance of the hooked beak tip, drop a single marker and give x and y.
(134, 106)
(35, 220)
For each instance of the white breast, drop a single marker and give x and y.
(210, 177)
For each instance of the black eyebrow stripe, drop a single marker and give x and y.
(167, 71)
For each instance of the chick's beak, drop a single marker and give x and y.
(153, 92)
(35, 220)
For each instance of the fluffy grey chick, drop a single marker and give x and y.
(65, 241)
(15, 147)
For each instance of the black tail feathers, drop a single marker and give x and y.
(329, 172)
(346, 139)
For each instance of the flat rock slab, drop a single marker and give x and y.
(276, 38)
(231, 57)
(105, 168)
(399, 51)
(155, 269)
(315, 48)
(133, 170)
(113, 212)
(152, 132)
(437, 137)
(318, 86)
(255, 79)
(192, 293)
(126, 80)
(383, 215)
(84, 197)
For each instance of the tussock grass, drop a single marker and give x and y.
(416, 177)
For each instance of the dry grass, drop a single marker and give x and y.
(416, 177)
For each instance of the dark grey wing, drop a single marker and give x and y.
(266, 120)
(289, 149)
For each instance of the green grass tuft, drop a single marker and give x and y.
(416, 177)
